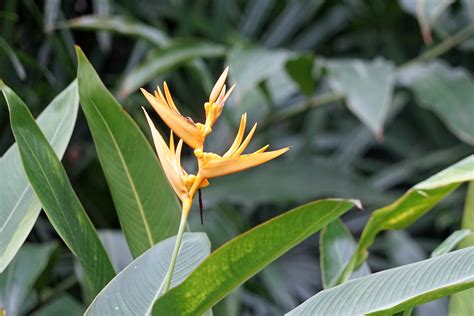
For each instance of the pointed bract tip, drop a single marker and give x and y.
(216, 90)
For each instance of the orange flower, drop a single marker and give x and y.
(212, 165)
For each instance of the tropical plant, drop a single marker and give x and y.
(398, 166)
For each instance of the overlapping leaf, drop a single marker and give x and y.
(19, 207)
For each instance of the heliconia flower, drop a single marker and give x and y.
(170, 158)
(212, 165)
(190, 132)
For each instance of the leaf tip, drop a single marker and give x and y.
(358, 204)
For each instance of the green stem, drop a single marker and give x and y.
(443, 47)
(177, 246)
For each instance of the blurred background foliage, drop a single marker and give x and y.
(372, 96)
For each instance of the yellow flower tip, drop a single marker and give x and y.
(216, 90)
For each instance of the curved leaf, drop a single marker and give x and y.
(134, 290)
(394, 290)
(241, 258)
(18, 279)
(52, 187)
(451, 242)
(119, 24)
(20, 207)
(411, 206)
(147, 207)
(163, 60)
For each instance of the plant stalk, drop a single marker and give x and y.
(179, 239)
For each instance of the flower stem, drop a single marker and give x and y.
(179, 239)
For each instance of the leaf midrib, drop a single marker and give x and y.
(129, 177)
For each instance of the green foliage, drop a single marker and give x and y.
(387, 292)
(52, 187)
(20, 208)
(145, 202)
(369, 109)
(242, 257)
(18, 279)
(134, 290)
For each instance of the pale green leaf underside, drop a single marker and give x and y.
(133, 291)
(397, 289)
(20, 207)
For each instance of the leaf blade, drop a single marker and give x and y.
(52, 187)
(245, 255)
(395, 290)
(131, 168)
(20, 207)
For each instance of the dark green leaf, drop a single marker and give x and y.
(52, 187)
(146, 205)
(19, 207)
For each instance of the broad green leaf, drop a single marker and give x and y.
(337, 247)
(63, 305)
(147, 207)
(251, 65)
(19, 207)
(134, 290)
(395, 290)
(368, 87)
(462, 303)
(241, 258)
(18, 279)
(412, 205)
(119, 24)
(164, 60)
(52, 187)
(451, 242)
(449, 92)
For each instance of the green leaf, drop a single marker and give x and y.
(368, 87)
(446, 91)
(394, 290)
(412, 205)
(19, 207)
(166, 59)
(249, 66)
(462, 303)
(337, 247)
(63, 305)
(18, 279)
(119, 24)
(134, 290)
(147, 207)
(241, 258)
(52, 187)
(301, 70)
(451, 242)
